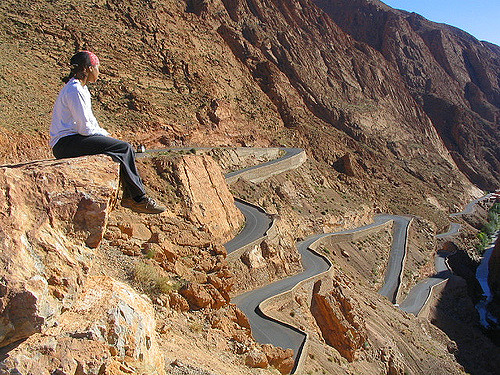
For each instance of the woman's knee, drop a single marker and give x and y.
(119, 145)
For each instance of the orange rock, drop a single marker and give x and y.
(335, 314)
(205, 195)
(256, 359)
(177, 302)
(109, 330)
(217, 299)
(196, 295)
(140, 232)
(48, 209)
(281, 359)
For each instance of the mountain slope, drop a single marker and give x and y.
(246, 73)
(450, 73)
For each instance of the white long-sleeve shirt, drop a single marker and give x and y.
(72, 113)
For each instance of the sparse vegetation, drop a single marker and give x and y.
(196, 327)
(489, 228)
(153, 280)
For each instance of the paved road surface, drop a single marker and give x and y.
(289, 152)
(396, 259)
(266, 330)
(420, 293)
(452, 230)
(257, 222)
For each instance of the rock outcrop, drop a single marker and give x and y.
(109, 330)
(279, 358)
(335, 314)
(202, 189)
(53, 215)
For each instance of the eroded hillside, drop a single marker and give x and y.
(451, 74)
(235, 73)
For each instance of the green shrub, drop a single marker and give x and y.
(489, 228)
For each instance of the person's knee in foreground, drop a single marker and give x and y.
(75, 132)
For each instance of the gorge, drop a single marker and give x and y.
(396, 115)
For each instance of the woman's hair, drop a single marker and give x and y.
(79, 62)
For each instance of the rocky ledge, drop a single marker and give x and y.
(53, 216)
(62, 310)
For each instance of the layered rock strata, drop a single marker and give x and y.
(204, 194)
(451, 74)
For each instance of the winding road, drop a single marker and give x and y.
(257, 223)
(266, 329)
(397, 257)
(421, 292)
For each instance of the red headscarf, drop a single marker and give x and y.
(94, 60)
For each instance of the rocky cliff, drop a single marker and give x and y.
(452, 76)
(383, 130)
(50, 210)
(64, 306)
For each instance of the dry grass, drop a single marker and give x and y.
(153, 279)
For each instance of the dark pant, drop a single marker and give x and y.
(79, 145)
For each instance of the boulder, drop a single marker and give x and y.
(281, 359)
(346, 165)
(196, 295)
(256, 359)
(253, 258)
(110, 328)
(53, 216)
(233, 322)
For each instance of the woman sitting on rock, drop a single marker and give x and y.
(75, 132)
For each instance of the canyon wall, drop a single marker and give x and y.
(213, 72)
(451, 75)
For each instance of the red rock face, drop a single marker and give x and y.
(336, 317)
(452, 75)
